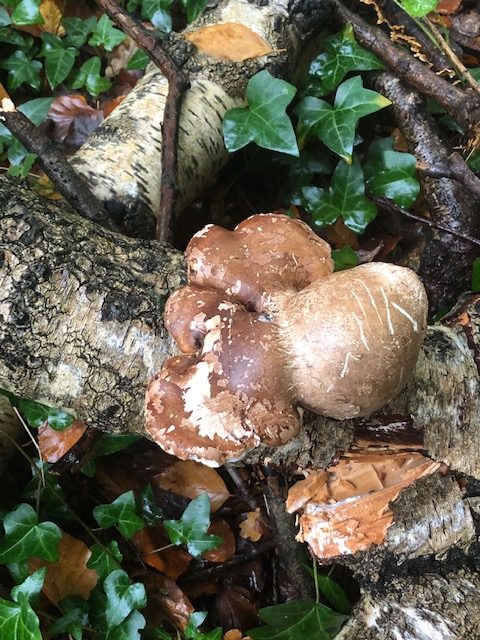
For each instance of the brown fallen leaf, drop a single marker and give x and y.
(228, 41)
(166, 601)
(55, 444)
(3, 92)
(227, 549)
(339, 235)
(190, 479)
(68, 576)
(173, 561)
(52, 15)
(74, 119)
(447, 7)
(253, 528)
(235, 608)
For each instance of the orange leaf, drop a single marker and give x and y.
(227, 549)
(447, 7)
(252, 527)
(171, 560)
(55, 444)
(166, 601)
(190, 479)
(228, 41)
(3, 92)
(111, 105)
(68, 576)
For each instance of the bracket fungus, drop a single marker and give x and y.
(265, 329)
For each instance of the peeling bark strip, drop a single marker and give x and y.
(81, 311)
(122, 159)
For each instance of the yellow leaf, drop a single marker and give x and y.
(228, 41)
(52, 17)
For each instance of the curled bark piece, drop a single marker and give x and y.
(286, 332)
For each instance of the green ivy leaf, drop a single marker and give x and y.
(106, 34)
(27, 13)
(162, 20)
(36, 110)
(77, 31)
(193, 8)
(59, 60)
(20, 168)
(192, 631)
(75, 617)
(265, 120)
(49, 495)
(391, 174)
(12, 36)
(139, 60)
(419, 8)
(192, 527)
(122, 597)
(21, 70)
(36, 414)
(121, 513)
(148, 508)
(109, 443)
(128, 630)
(298, 619)
(473, 160)
(5, 19)
(88, 76)
(335, 126)
(104, 560)
(476, 275)
(345, 197)
(30, 587)
(344, 258)
(150, 7)
(18, 621)
(331, 590)
(342, 54)
(25, 537)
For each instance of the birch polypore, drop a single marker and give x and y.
(267, 329)
(122, 159)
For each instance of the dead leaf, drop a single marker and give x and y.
(235, 609)
(55, 444)
(447, 7)
(190, 479)
(227, 549)
(74, 119)
(228, 41)
(166, 601)
(45, 187)
(3, 93)
(111, 105)
(468, 23)
(339, 235)
(52, 15)
(68, 576)
(252, 527)
(173, 561)
(119, 57)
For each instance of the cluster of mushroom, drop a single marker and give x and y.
(265, 328)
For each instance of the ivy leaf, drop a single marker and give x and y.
(192, 527)
(36, 111)
(419, 8)
(121, 513)
(78, 30)
(344, 258)
(335, 126)
(122, 597)
(148, 508)
(26, 12)
(5, 19)
(36, 414)
(139, 60)
(128, 630)
(18, 621)
(298, 619)
(21, 70)
(30, 587)
(59, 60)
(193, 8)
(150, 7)
(75, 617)
(391, 174)
(192, 631)
(104, 560)
(162, 20)
(88, 76)
(342, 54)
(108, 443)
(106, 34)
(265, 120)
(12, 36)
(333, 592)
(345, 197)
(25, 537)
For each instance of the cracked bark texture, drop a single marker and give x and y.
(122, 159)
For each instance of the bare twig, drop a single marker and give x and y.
(456, 168)
(73, 187)
(177, 83)
(388, 204)
(462, 106)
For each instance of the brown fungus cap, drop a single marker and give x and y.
(267, 328)
(263, 255)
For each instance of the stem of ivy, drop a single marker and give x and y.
(315, 580)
